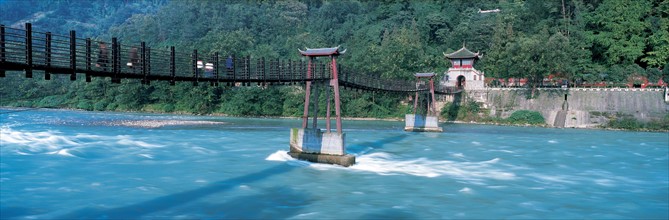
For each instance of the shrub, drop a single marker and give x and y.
(526, 117)
(627, 122)
(168, 107)
(50, 101)
(85, 105)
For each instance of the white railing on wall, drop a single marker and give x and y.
(584, 89)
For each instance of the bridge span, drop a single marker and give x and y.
(28, 50)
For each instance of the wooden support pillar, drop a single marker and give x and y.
(415, 101)
(315, 119)
(434, 101)
(329, 99)
(305, 116)
(335, 81)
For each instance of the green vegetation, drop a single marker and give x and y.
(526, 117)
(604, 40)
(627, 122)
(472, 111)
(469, 110)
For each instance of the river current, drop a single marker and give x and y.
(61, 164)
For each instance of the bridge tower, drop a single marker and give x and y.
(430, 121)
(462, 73)
(312, 144)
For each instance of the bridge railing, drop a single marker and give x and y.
(13, 45)
(158, 62)
(28, 50)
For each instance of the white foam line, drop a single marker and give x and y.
(386, 164)
(126, 141)
(62, 152)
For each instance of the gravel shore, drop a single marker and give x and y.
(160, 123)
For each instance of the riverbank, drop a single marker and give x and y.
(163, 123)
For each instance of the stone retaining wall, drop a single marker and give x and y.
(586, 107)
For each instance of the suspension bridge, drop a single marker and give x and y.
(27, 50)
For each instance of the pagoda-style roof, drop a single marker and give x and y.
(424, 75)
(321, 51)
(462, 53)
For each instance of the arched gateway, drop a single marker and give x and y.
(462, 73)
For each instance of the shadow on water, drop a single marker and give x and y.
(361, 148)
(138, 210)
(268, 203)
(11, 212)
(389, 214)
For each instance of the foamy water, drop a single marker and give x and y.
(65, 164)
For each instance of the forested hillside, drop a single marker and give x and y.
(599, 40)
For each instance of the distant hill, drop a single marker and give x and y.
(88, 18)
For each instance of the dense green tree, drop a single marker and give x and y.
(658, 41)
(620, 28)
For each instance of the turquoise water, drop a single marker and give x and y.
(59, 164)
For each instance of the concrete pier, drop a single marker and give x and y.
(311, 144)
(421, 123)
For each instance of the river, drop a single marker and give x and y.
(62, 164)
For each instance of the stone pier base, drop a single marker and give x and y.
(313, 145)
(421, 123)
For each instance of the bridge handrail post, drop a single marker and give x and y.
(173, 68)
(47, 59)
(2, 48)
(324, 70)
(247, 68)
(234, 70)
(73, 55)
(216, 70)
(48, 50)
(264, 73)
(195, 72)
(2, 43)
(272, 72)
(148, 64)
(29, 50)
(285, 70)
(291, 71)
(115, 67)
(143, 60)
(88, 59)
